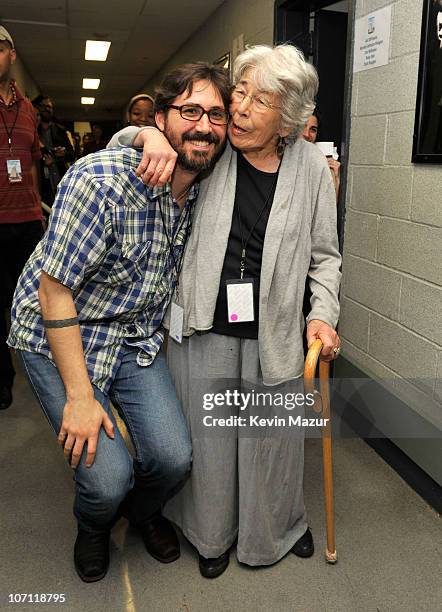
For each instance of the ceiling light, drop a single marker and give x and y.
(91, 83)
(97, 50)
(87, 100)
(29, 22)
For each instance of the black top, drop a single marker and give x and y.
(253, 188)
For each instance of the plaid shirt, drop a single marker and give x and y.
(106, 242)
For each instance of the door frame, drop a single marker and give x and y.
(312, 5)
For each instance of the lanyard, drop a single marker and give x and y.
(242, 265)
(9, 132)
(177, 264)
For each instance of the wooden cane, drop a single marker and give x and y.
(322, 407)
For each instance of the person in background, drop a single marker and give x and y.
(86, 139)
(140, 111)
(54, 135)
(48, 176)
(77, 144)
(310, 133)
(56, 143)
(96, 143)
(21, 218)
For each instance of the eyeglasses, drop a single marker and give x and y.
(194, 112)
(258, 102)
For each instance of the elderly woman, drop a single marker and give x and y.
(265, 220)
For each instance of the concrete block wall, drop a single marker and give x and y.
(253, 18)
(392, 289)
(24, 80)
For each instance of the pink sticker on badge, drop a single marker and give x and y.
(239, 300)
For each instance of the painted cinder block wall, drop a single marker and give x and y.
(253, 18)
(391, 323)
(24, 80)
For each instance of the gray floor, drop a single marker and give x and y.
(388, 540)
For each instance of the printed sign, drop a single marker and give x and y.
(372, 40)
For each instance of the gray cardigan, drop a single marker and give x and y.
(300, 240)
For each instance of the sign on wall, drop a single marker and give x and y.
(372, 40)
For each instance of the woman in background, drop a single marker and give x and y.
(310, 133)
(140, 111)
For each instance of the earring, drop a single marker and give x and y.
(280, 147)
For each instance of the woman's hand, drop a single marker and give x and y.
(334, 166)
(317, 329)
(335, 169)
(82, 420)
(159, 159)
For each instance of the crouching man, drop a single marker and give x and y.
(87, 313)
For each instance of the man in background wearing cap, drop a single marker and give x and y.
(21, 219)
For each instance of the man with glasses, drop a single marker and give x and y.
(87, 315)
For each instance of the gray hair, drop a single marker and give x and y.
(282, 70)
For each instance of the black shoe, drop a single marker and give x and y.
(212, 568)
(304, 547)
(91, 555)
(160, 539)
(5, 397)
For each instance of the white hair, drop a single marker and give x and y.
(282, 70)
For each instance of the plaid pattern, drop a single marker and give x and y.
(106, 242)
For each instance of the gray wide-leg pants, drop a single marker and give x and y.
(245, 483)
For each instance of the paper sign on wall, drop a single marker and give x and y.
(372, 40)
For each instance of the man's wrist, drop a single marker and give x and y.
(137, 135)
(79, 393)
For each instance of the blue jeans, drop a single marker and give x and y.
(147, 403)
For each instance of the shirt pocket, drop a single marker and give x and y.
(131, 264)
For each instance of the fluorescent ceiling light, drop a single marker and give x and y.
(42, 23)
(97, 50)
(87, 100)
(91, 83)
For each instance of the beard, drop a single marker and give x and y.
(46, 116)
(194, 161)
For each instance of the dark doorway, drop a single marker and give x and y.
(319, 29)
